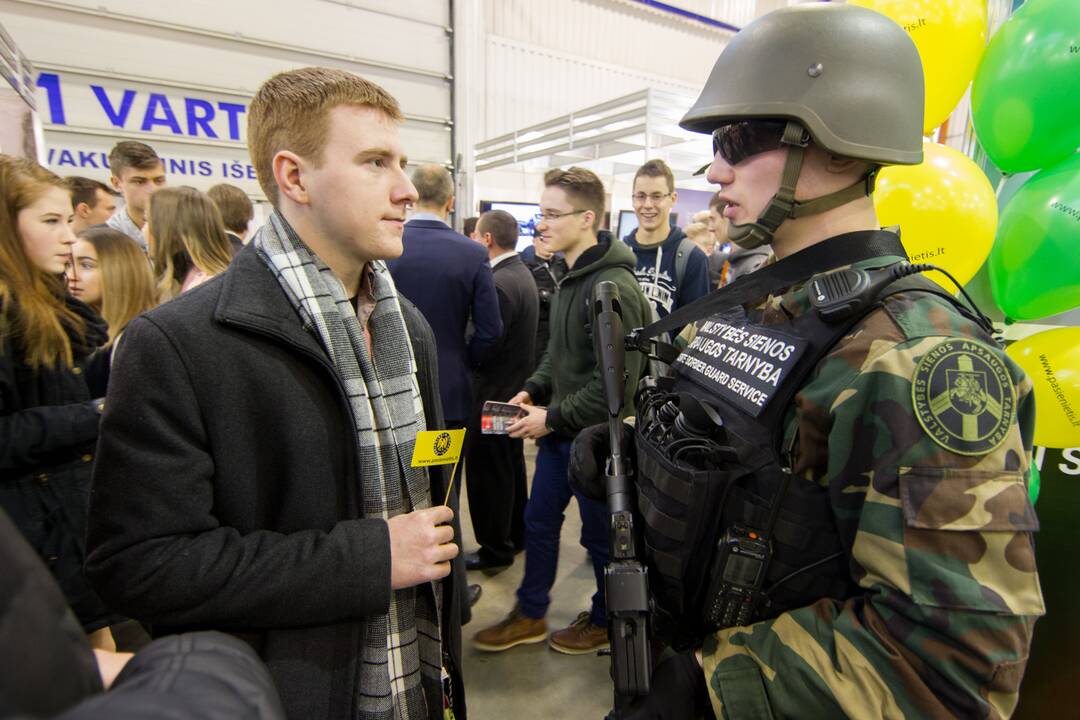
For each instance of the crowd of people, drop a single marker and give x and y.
(94, 258)
(76, 271)
(205, 429)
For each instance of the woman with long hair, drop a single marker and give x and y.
(48, 418)
(110, 273)
(186, 238)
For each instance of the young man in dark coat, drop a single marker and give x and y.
(255, 473)
(570, 381)
(496, 463)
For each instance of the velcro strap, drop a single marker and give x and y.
(652, 471)
(791, 534)
(748, 512)
(668, 484)
(795, 135)
(673, 487)
(742, 689)
(833, 200)
(669, 566)
(778, 210)
(792, 167)
(661, 521)
(782, 204)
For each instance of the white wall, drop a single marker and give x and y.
(202, 54)
(516, 62)
(550, 58)
(545, 59)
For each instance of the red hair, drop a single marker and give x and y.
(32, 309)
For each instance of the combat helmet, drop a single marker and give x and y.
(846, 77)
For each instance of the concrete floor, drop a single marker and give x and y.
(533, 682)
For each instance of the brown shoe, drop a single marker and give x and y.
(515, 629)
(581, 638)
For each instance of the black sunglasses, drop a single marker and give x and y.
(739, 140)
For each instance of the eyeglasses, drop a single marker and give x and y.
(640, 198)
(548, 215)
(739, 140)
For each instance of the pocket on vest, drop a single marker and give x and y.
(967, 539)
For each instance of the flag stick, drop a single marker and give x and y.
(450, 485)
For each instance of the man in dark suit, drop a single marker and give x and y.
(447, 276)
(496, 463)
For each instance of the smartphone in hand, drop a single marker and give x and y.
(497, 417)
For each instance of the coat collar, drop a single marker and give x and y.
(434, 224)
(507, 261)
(251, 297)
(429, 218)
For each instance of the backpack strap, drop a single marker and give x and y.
(589, 287)
(682, 257)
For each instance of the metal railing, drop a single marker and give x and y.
(641, 120)
(16, 69)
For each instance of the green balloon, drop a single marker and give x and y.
(1034, 272)
(1033, 483)
(1026, 97)
(1010, 185)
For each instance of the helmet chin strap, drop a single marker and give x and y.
(783, 205)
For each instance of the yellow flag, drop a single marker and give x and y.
(438, 447)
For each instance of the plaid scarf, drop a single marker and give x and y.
(400, 667)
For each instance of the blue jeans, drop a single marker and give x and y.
(543, 524)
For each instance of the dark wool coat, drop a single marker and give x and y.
(46, 665)
(48, 426)
(203, 676)
(227, 496)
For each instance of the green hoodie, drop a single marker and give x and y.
(568, 377)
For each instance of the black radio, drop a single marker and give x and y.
(738, 574)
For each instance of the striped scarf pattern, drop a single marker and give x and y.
(400, 667)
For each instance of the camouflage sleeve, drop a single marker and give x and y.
(924, 444)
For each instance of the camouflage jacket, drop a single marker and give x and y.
(920, 427)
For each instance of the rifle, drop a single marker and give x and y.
(625, 578)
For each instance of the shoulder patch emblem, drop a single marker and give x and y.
(963, 397)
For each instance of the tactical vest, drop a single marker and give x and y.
(686, 508)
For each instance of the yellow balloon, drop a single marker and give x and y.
(945, 208)
(950, 36)
(1052, 361)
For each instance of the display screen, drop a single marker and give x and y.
(526, 214)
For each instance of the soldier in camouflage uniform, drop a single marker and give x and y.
(915, 423)
(937, 520)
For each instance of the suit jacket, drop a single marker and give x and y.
(505, 371)
(448, 277)
(227, 496)
(235, 243)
